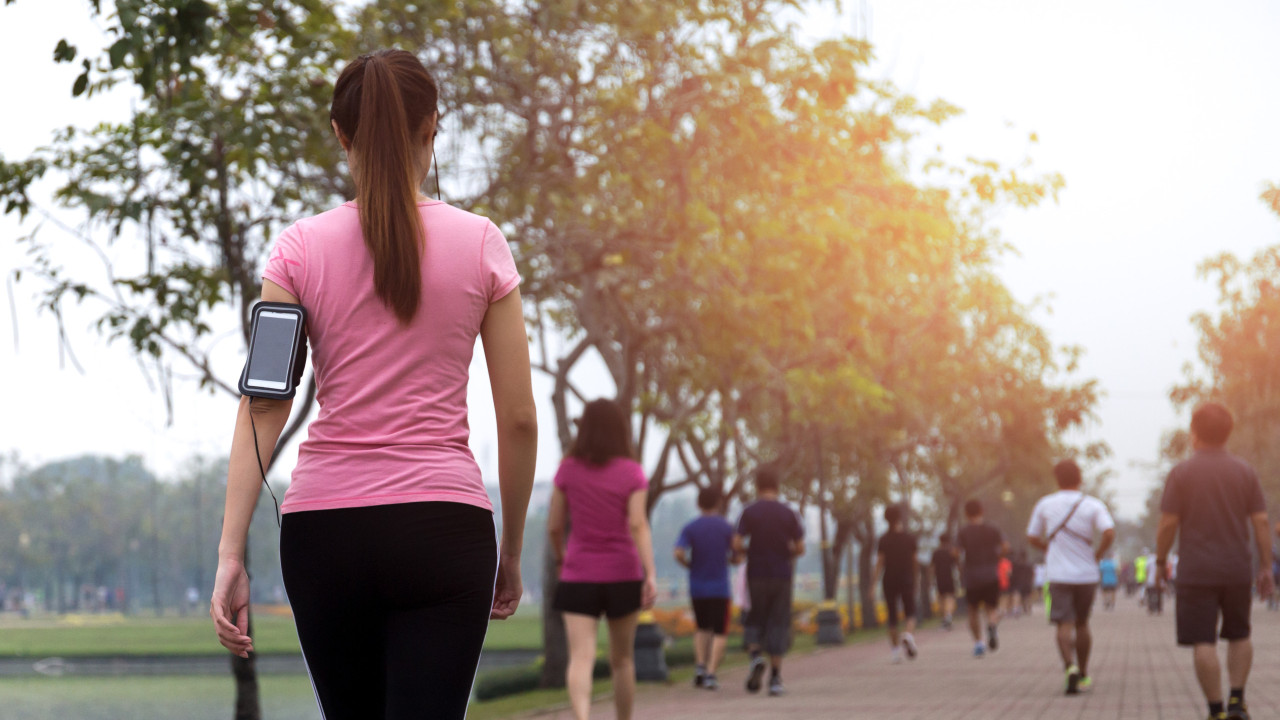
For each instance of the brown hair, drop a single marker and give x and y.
(602, 434)
(381, 103)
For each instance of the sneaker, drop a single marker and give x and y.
(979, 650)
(1073, 680)
(895, 656)
(775, 687)
(710, 682)
(909, 644)
(755, 675)
(1218, 716)
(1085, 684)
(699, 676)
(993, 640)
(946, 623)
(1237, 711)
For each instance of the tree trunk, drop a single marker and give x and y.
(555, 644)
(866, 581)
(245, 671)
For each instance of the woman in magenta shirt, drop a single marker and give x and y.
(387, 541)
(607, 567)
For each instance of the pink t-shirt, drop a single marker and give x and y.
(600, 548)
(392, 426)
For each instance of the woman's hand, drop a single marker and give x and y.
(507, 591)
(649, 594)
(230, 606)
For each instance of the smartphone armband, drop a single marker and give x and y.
(277, 351)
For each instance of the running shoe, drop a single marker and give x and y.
(775, 687)
(1086, 683)
(946, 623)
(699, 676)
(755, 675)
(1073, 680)
(711, 683)
(979, 650)
(909, 644)
(1218, 716)
(1237, 711)
(993, 640)
(895, 656)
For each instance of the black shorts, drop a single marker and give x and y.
(613, 600)
(769, 619)
(1200, 607)
(712, 614)
(899, 594)
(1071, 602)
(946, 585)
(985, 594)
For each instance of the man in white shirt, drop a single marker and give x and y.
(1064, 525)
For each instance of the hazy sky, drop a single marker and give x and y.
(1162, 117)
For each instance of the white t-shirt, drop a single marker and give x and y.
(1070, 557)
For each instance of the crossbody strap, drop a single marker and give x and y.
(1066, 520)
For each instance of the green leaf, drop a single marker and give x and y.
(65, 52)
(118, 52)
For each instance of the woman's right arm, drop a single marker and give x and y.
(506, 350)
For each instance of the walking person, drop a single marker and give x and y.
(387, 541)
(981, 546)
(1110, 581)
(705, 547)
(1212, 500)
(898, 568)
(770, 534)
(606, 567)
(1022, 579)
(1065, 526)
(944, 575)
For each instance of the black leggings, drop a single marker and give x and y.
(392, 603)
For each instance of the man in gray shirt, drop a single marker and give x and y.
(1211, 499)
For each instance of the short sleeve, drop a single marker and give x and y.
(1171, 500)
(286, 264)
(914, 544)
(1036, 527)
(638, 480)
(497, 264)
(744, 523)
(880, 544)
(797, 529)
(1102, 520)
(562, 477)
(683, 540)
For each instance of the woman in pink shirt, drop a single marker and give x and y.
(607, 567)
(387, 540)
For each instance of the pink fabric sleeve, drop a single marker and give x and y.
(561, 479)
(497, 265)
(286, 263)
(640, 481)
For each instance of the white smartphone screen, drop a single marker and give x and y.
(272, 350)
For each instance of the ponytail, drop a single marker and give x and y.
(381, 102)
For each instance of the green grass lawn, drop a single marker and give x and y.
(191, 635)
(286, 697)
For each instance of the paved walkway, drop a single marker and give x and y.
(1139, 674)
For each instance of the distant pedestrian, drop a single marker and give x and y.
(1212, 500)
(770, 534)
(1110, 581)
(982, 545)
(897, 567)
(1004, 571)
(1065, 526)
(1153, 589)
(607, 566)
(705, 547)
(944, 576)
(1022, 581)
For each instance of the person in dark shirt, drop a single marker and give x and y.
(771, 535)
(896, 565)
(981, 546)
(944, 575)
(706, 548)
(1211, 499)
(1020, 582)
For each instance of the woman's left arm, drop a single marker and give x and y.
(229, 606)
(638, 522)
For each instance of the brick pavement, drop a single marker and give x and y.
(1139, 673)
